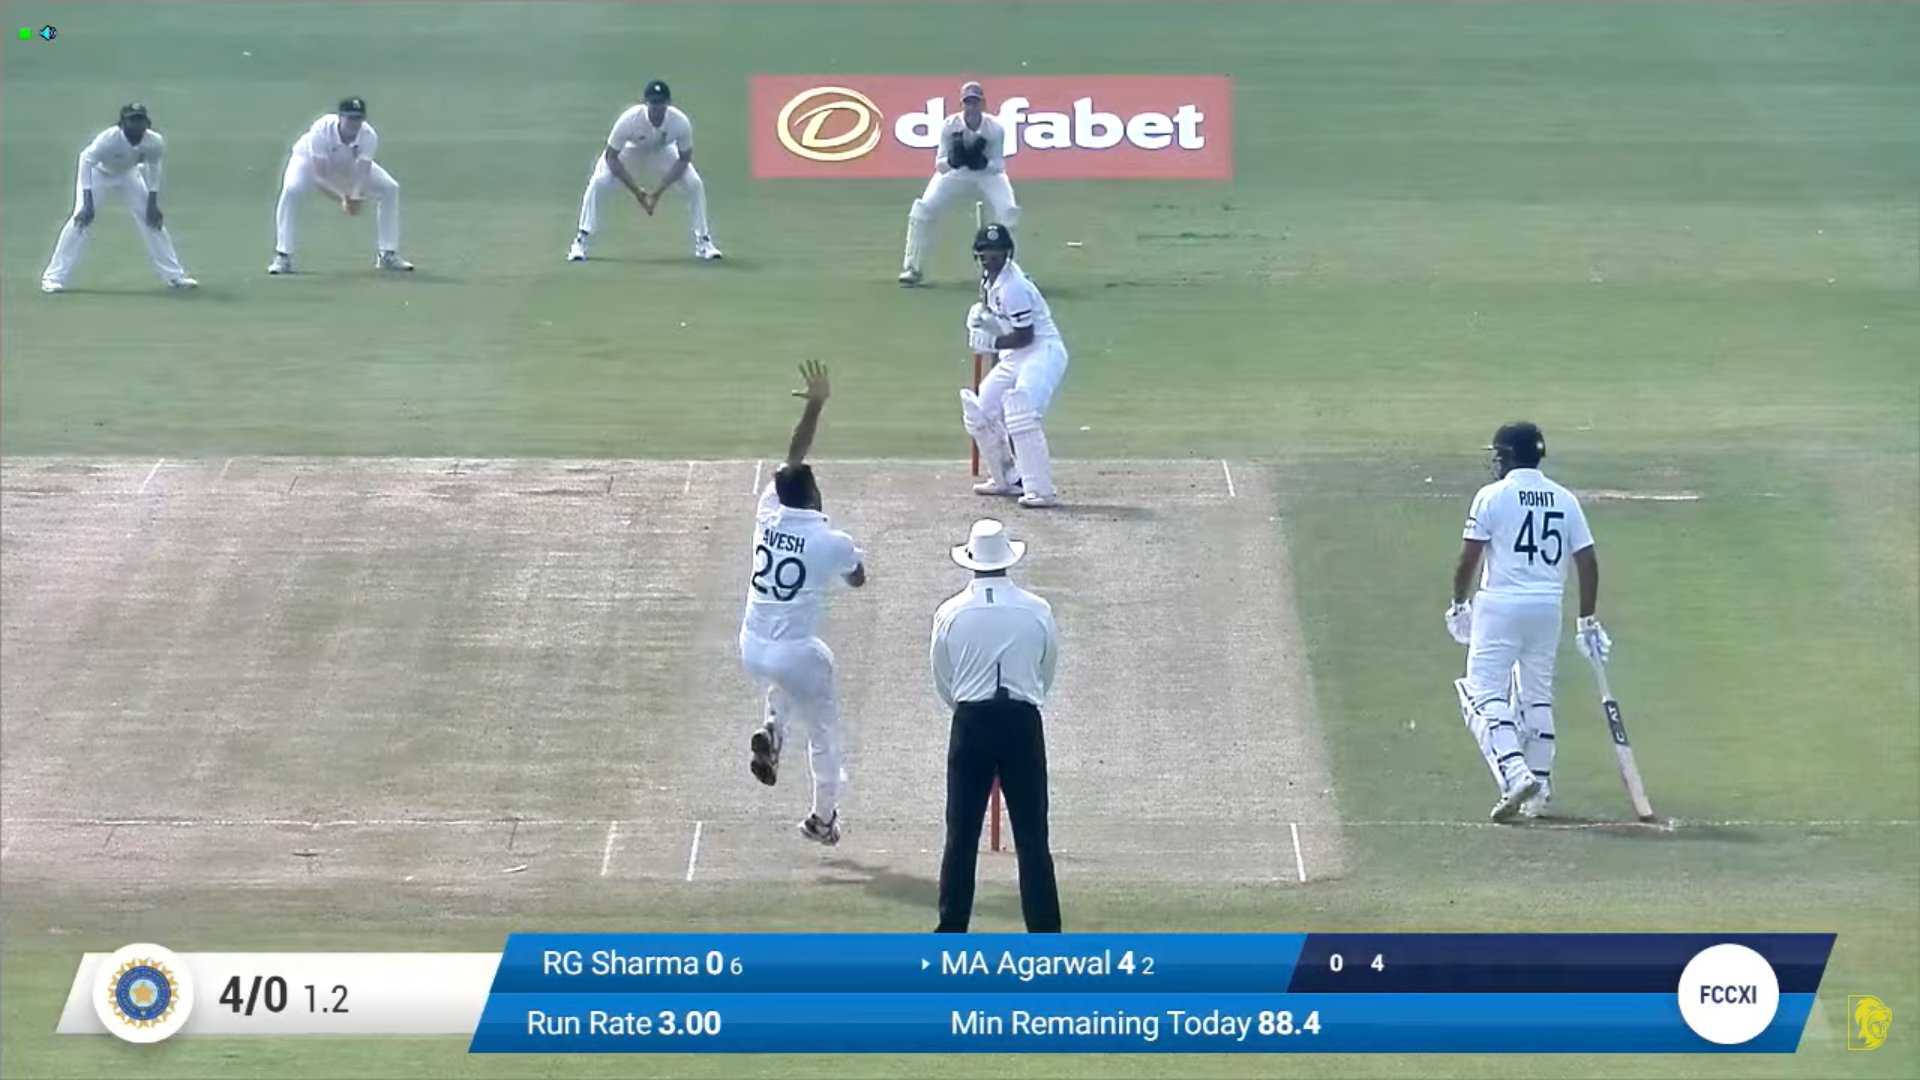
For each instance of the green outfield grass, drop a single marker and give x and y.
(1680, 236)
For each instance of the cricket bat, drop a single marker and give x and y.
(1622, 749)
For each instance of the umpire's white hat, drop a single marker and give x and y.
(987, 547)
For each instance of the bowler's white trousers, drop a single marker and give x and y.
(131, 188)
(799, 677)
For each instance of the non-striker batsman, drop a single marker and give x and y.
(1522, 530)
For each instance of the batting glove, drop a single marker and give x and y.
(1592, 639)
(981, 341)
(1460, 622)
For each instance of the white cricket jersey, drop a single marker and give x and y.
(331, 154)
(113, 155)
(989, 127)
(1532, 527)
(990, 636)
(797, 556)
(1017, 301)
(635, 131)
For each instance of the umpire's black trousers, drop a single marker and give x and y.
(1001, 737)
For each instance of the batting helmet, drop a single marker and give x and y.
(1518, 445)
(993, 238)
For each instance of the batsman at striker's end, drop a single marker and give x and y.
(1013, 326)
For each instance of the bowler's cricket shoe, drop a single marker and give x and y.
(281, 264)
(703, 248)
(391, 260)
(1033, 500)
(51, 287)
(826, 833)
(910, 277)
(1540, 801)
(766, 756)
(183, 282)
(1519, 790)
(996, 488)
(576, 252)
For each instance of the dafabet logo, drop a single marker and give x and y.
(1057, 127)
(829, 123)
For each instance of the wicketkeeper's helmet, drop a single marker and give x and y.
(994, 237)
(1519, 445)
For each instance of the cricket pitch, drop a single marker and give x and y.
(505, 677)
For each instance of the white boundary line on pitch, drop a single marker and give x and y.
(1299, 860)
(613, 466)
(606, 855)
(687, 488)
(13, 823)
(693, 854)
(142, 490)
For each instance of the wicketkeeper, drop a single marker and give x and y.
(969, 160)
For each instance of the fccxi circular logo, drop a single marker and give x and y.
(1728, 994)
(143, 993)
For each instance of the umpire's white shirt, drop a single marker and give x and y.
(990, 635)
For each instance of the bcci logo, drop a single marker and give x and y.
(143, 993)
(1868, 1020)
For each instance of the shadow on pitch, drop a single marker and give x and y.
(911, 889)
(1101, 511)
(1667, 831)
(677, 259)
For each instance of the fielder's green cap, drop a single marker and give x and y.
(352, 106)
(133, 109)
(657, 91)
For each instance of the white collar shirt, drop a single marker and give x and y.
(990, 636)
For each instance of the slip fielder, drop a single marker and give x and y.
(655, 139)
(1015, 326)
(1521, 529)
(123, 160)
(335, 156)
(969, 161)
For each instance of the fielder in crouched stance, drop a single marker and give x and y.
(335, 155)
(971, 158)
(123, 161)
(1004, 415)
(654, 139)
(1521, 531)
(797, 555)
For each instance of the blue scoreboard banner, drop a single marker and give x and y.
(1152, 993)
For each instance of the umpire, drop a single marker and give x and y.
(993, 656)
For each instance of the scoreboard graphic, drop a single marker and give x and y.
(998, 993)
